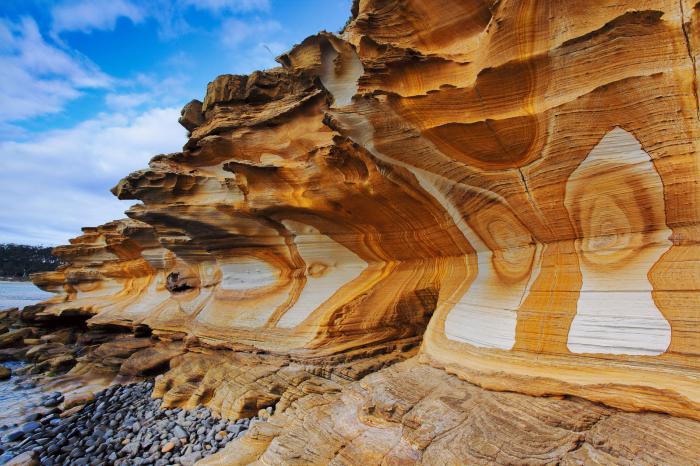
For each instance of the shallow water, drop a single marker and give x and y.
(20, 294)
(18, 397)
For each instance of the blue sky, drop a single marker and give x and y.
(91, 89)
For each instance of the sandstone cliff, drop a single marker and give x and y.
(511, 185)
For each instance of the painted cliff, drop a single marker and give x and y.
(510, 188)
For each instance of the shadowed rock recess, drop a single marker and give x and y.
(457, 232)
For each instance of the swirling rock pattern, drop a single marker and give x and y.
(514, 182)
(411, 413)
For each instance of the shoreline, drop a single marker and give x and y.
(121, 425)
(73, 379)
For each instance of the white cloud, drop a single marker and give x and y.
(234, 31)
(258, 56)
(38, 78)
(151, 90)
(229, 5)
(251, 43)
(60, 180)
(89, 15)
(127, 101)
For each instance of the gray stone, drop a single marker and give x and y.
(130, 448)
(13, 436)
(50, 403)
(33, 417)
(179, 432)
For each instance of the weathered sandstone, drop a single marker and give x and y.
(512, 185)
(415, 414)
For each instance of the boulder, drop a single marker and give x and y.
(191, 115)
(14, 337)
(150, 361)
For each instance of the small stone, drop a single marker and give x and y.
(51, 402)
(168, 447)
(179, 432)
(131, 448)
(13, 436)
(33, 417)
(190, 459)
(30, 427)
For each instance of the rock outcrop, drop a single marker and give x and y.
(512, 185)
(412, 413)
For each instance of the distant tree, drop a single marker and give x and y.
(18, 261)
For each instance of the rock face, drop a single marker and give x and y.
(108, 272)
(415, 414)
(515, 184)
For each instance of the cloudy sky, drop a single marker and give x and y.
(91, 89)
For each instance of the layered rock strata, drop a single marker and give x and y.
(515, 184)
(412, 413)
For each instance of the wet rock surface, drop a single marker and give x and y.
(122, 425)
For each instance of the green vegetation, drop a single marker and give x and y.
(17, 261)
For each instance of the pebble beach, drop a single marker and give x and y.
(123, 425)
